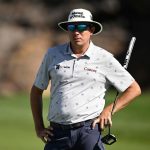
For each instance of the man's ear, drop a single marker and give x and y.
(92, 29)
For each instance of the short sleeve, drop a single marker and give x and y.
(119, 77)
(42, 77)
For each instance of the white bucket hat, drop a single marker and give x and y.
(81, 15)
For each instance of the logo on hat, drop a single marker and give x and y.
(77, 15)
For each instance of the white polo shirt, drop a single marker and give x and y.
(78, 85)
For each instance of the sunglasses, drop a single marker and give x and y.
(78, 27)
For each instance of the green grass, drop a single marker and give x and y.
(131, 126)
(16, 125)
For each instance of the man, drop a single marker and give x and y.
(80, 73)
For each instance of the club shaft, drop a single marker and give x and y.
(129, 51)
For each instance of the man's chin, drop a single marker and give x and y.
(78, 43)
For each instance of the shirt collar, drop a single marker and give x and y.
(87, 53)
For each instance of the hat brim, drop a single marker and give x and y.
(97, 25)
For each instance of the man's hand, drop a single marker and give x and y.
(104, 119)
(45, 134)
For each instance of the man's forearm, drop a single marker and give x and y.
(36, 107)
(129, 95)
(126, 97)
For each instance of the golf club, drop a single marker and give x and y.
(110, 138)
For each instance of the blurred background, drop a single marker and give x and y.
(29, 27)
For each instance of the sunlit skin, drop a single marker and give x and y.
(80, 40)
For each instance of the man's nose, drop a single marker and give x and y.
(76, 31)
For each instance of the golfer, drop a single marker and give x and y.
(80, 74)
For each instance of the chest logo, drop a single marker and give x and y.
(59, 66)
(89, 69)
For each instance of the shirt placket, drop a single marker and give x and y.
(74, 67)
